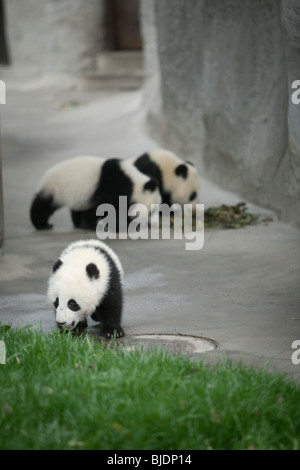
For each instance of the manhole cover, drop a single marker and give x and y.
(173, 343)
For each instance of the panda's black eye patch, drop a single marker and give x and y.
(72, 305)
(181, 170)
(56, 303)
(193, 196)
(151, 185)
(92, 271)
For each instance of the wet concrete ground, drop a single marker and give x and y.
(241, 290)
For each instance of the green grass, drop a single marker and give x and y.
(58, 391)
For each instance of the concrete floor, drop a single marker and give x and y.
(241, 289)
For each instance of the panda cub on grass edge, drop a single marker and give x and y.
(87, 282)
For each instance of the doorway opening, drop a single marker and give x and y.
(123, 25)
(4, 56)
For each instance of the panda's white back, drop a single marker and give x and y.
(98, 244)
(73, 181)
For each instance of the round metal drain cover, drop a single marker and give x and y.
(172, 343)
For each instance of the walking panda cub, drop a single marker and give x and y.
(83, 183)
(86, 281)
(177, 179)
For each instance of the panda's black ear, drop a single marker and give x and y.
(92, 271)
(57, 265)
(151, 185)
(181, 170)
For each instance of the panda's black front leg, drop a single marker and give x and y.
(110, 318)
(110, 332)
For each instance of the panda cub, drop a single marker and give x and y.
(86, 281)
(178, 180)
(83, 183)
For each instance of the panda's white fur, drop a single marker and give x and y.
(74, 182)
(139, 195)
(89, 273)
(178, 179)
(93, 243)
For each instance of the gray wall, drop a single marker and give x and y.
(218, 90)
(1, 202)
(54, 36)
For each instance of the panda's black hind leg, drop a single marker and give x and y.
(42, 208)
(85, 219)
(76, 218)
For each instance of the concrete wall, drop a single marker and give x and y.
(55, 36)
(1, 203)
(218, 90)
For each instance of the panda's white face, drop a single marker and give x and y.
(76, 287)
(71, 305)
(68, 312)
(185, 186)
(180, 180)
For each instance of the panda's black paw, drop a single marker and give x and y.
(110, 333)
(45, 226)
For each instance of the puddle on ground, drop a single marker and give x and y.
(173, 343)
